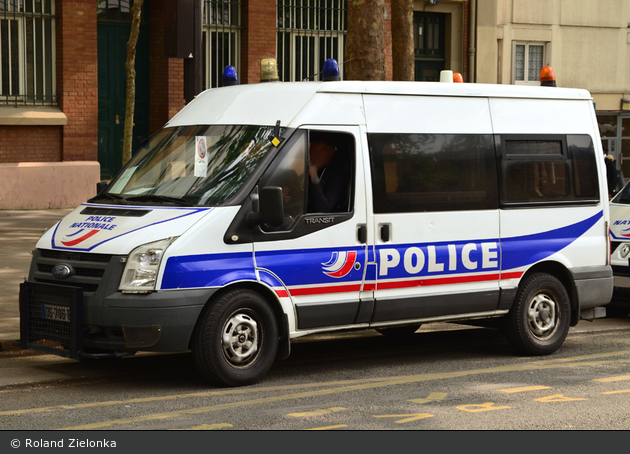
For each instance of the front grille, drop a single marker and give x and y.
(87, 268)
(76, 256)
(51, 318)
(621, 270)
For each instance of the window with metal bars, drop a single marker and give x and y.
(309, 33)
(220, 40)
(27, 52)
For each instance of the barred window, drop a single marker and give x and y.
(221, 39)
(309, 33)
(27, 52)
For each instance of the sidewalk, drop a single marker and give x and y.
(19, 232)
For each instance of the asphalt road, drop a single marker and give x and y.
(460, 379)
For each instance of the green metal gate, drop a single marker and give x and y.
(112, 87)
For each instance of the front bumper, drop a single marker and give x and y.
(106, 320)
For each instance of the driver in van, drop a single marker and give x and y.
(328, 176)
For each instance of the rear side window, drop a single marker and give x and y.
(547, 169)
(433, 172)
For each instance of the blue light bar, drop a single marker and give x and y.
(331, 70)
(230, 77)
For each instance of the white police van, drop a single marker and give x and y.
(620, 248)
(453, 202)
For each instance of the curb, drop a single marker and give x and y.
(7, 345)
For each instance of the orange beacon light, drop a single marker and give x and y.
(547, 77)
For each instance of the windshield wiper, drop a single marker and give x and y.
(117, 198)
(160, 199)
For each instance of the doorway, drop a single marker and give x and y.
(429, 45)
(112, 90)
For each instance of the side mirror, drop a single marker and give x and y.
(271, 207)
(101, 186)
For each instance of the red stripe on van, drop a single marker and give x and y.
(448, 280)
(305, 291)
(323, 290)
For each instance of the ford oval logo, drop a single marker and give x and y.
(62, 271)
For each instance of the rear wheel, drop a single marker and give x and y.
(539, 320)
(236, 340)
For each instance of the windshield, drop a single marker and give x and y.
(623, 196)
(192, 165)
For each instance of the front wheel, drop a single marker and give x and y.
(237, 338)
(539, 320)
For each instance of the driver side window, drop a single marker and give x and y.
(315, 172)
(290, 175)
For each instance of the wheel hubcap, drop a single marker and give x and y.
(542, 315)
(240, 339)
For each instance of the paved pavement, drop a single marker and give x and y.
(19, 232)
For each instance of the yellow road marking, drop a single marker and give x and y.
(184, 396)
(431, 398)
(358, 385)
(617, 392)
(210, 426)
(488, 406)
(339, 426)
(558, 398)
(324, 411)
(523, 389)
(408, 418)
(608, 379)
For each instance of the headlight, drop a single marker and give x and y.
(142, 267)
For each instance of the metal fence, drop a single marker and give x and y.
(27, 52)
(221, 39)
(309, 33)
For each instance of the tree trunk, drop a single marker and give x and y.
(365, 41)
(402, 40)
(130, 66)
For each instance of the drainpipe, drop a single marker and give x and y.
(472, 57)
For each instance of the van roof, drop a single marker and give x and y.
(267, 103)
(452, 89)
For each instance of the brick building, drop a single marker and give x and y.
(62, 68)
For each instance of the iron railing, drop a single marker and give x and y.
(27, 52)
(309, 33)
(220, 40)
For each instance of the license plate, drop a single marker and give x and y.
(57, 313)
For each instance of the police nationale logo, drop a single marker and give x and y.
(340, 263)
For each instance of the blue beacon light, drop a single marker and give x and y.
(230, 77)
(331, 70)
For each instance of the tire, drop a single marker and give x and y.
(539, 320)
(236, 340)
(399, 332)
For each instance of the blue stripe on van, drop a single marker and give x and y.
(528, 249)
(208, 270)
(305, 267)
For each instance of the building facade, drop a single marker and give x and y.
(586, 42)
(62, 68)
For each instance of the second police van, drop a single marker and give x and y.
(266, 212)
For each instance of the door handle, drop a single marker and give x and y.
(385, 232)
(362, 234)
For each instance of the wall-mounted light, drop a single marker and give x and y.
(625, 104)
